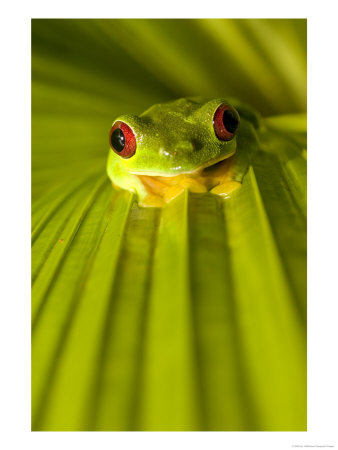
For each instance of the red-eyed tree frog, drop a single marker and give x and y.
(190, 143)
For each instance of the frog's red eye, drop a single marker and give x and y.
(122, 140)
(226, 122)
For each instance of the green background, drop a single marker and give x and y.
(188, 318)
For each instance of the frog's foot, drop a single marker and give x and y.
(176, 185)
(152, 201)
(225, 189)
(161, 190)
(172, 192)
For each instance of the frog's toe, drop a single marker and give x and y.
(225, 189)
(193, 185)
(154, 201)
(173, 192)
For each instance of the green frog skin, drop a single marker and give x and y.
(190, 143)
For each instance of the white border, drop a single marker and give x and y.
(323, 224)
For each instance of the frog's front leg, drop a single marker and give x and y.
(238, 165)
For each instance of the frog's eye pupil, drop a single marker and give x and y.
(226, 122)
(230, 120)
(118, 140)
(122, 140)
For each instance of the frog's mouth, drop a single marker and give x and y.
(212, 162)
(161, 189)
(177, 170)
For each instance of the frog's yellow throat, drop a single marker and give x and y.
(216, 179)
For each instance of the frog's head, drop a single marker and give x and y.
(182, 136)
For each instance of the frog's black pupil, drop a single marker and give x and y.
(230, 120)
(118, 140)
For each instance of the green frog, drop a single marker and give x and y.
(193, 143)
